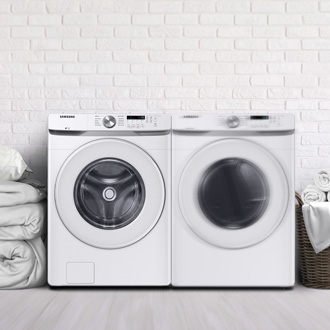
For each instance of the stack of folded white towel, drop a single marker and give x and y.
(22, 225)
(320, 191)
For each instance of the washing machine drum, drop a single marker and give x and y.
(109, 193)
(233, 193)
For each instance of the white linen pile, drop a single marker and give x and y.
(22, 227)
(317, 223)
(320, 191)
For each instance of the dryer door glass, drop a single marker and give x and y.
(233, 193)
(109, 193)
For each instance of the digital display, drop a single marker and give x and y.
(259, 117)
(136, 117)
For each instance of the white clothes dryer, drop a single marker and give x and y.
(109, 200)
(233, 200)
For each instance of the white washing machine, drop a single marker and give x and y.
(233, 200)
(109, 200)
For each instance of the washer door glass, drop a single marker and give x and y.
(233, 193)
(109, 193)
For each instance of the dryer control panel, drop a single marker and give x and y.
(267, 122)
(109, 122)
(234, 122)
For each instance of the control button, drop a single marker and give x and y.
(109, 121)
(232, 121)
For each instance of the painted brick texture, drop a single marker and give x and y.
(173, 56)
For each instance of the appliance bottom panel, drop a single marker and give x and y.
(271, 263)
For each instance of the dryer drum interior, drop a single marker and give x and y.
(109, 193)
(233, 193)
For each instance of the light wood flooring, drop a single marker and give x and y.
(130, 309)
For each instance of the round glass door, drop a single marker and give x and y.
(233, 193)
(109, 193)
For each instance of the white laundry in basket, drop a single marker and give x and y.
(317, 223)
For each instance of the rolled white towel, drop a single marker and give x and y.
(322, 180)
(22, 264)
(313, 194)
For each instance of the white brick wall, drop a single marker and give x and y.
(155, 55)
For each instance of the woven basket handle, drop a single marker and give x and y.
(299, 199)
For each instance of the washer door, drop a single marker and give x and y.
(233, 193)
(109, 193)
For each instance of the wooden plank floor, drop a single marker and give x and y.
(174, 309)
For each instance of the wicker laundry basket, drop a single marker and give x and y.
(315, 268)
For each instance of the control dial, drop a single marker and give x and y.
(232, 121)
(109, 121)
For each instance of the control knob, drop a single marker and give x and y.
(109, 121)
(232, 121)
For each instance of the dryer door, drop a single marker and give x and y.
(109, 193)
(233, 193)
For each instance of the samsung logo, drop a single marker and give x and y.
(190, 116)
(67, 116)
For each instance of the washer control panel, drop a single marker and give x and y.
(109, 122)
(142, 121)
